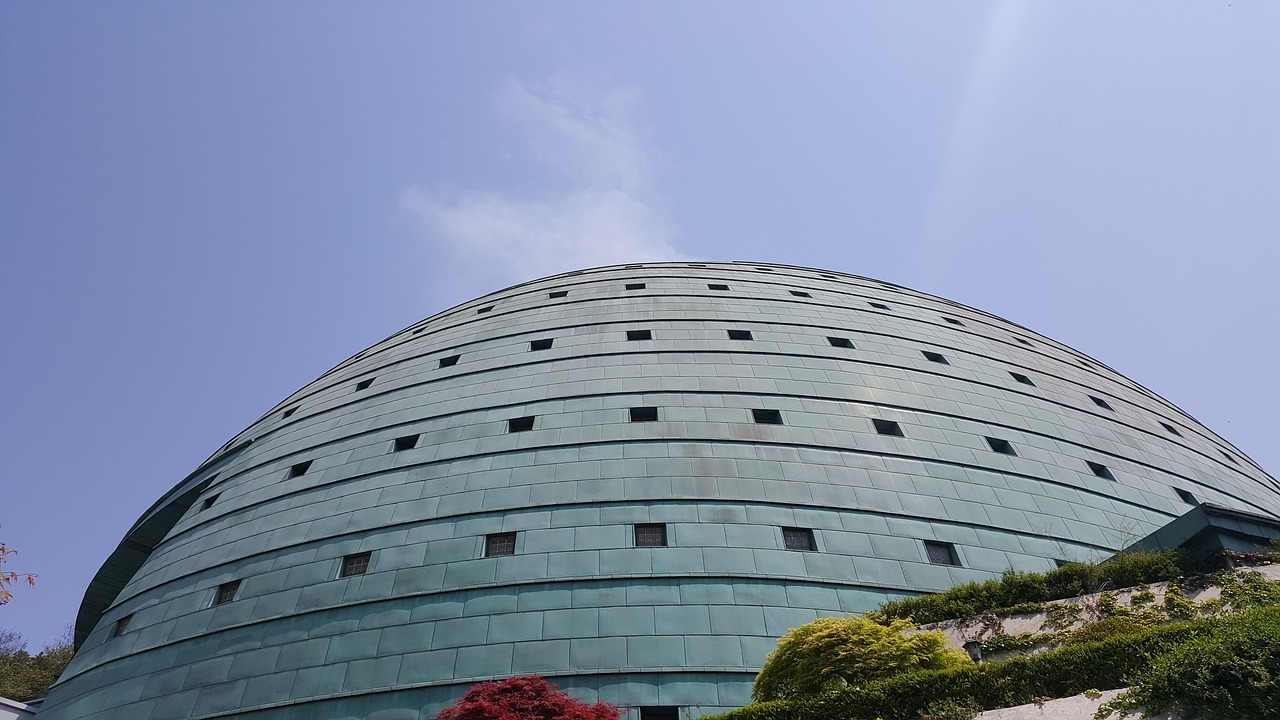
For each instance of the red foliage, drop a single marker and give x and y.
(523, 698)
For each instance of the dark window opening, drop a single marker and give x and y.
(209, 501)
(543, 344)
(1186, 497)
(520, 424)
(799, 293)
(121, 626)
(840, 342)
(1022, 379)
(500, 544)
(357, 564)
(635, 286)
(226, 592)
(408, 442)
(660, 712)
(644, 414)
(1100, 470)
(364, 384)
(300, 469)
(940, 553)
(765, 269)
(934, 357)
(484, 309)
(1085, 364)
(415, 332)
(953, 321)
(1021, 340)
(558, 294)
(290, 411)
(717, 286)
(1228, 456)
(639, 334)
(651, 535)
(766, 417)
(798, 539)
(1101, 403)
(878, 306)
(887, 427)
(1001, 446)
(1171, 429)
(449, 361)
(739, 334)
(829, 277)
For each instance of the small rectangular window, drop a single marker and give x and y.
(226, 592)
(739, 334)
(543, 344)
(357, 564)
(765, 269)
(1171, 429)
(290, 411)
(300, 468)
(1022, 379)
(934, 357)
(364, 384)
(639, 334)
(417, 330)
(953, 321)
(840, 342)
(798, 539)
(651, 535)
(484, 309)
(1021, 340)
(209, 501)
(878, 306)
(940, 553)
(500, 544)
(799, 293)
(1101, 403)
(1001, 446)
(520, 424)
(635, 286)
(449, 361)
(660, 712)
(558, 294)
(408, 442)
(766, 417)
(1100, 470)
(717, 286)
(121, 626)
(644, 414)
(887, 427)
(1186, 497)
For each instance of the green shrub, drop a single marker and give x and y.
(1107, 628)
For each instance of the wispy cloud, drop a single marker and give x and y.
(598, 206)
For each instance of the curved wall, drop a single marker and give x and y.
(921, 444)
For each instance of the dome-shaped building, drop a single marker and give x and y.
(630, 480)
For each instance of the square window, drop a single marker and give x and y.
(500, 544)
(1022, 379)
(121, 626)
(290, 411)
(953, 321)
(717, 286)
(226, 592)
(1101, 403)
(543, 344)
(635, 286)
(887, 427)
(798, 539)
(840, 342)
(1171, 429)
(357, 564)
(651, 535)
(639, 334)
(1001, 446)
(799, 293)
(364, 384)
(484, 309)
(644, 414)
(558, 294)
(449, 361)
(1186, 497)
(739, 334)
(766, 417)
(209, 501)
(300, 468)
(520, 424)
(940, 553)
(1100, 470)
(934, 357)
(408, 442)
(878, 306)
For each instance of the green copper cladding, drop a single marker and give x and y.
(631, 480)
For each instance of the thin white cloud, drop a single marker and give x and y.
(599, 205)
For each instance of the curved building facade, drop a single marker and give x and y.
(630, 480)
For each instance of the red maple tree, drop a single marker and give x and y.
(523, 698)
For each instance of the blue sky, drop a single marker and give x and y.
(205, 206)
